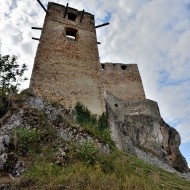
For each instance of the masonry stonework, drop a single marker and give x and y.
(67, 67)
(123, 81)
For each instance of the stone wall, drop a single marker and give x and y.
(67, 70)
(123, 81)
(132, 107)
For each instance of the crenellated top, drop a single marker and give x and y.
(119, 67)
(123, 80)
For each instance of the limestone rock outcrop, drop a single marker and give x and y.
(31, 112)
(138, 128)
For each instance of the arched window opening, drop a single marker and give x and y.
(71, 33)
(103, 66)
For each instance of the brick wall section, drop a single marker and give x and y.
(68, 70)
(123, 81)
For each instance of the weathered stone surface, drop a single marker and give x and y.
(68, 70)
(31, 112)
(5, 187)
(144, 132)
(14, 166)
(4, 143)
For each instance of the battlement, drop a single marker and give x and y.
(119, 67)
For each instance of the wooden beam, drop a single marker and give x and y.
(35, 38)
(66, 10)
(82, 16)
(98, 43)
(102, 25)
(42, 5)
(36, 28)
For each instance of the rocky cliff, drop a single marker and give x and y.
(41, 144)
(137, 128)
(45, 122)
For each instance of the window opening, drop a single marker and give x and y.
(123, 67)
(72, 16)
(103, 66)
(71, 33)
(116, 105)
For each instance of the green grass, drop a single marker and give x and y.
(114, 171)
(85, 167)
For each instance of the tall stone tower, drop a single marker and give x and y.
(66, 67)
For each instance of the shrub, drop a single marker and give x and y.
(97, 126)
(26, 140)
(88, 153)
(83, 115)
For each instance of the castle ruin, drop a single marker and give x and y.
(67, 68)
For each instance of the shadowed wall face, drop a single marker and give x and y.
(66, 68)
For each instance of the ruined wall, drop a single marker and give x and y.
(132, 107)
(123, 81)
(67, 69)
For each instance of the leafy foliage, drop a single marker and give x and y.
(83, 115)
(96, 125)
(26, 140)
(11, 75)
(88, 152)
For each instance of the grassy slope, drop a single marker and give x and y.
(126, 172)
(83, 167)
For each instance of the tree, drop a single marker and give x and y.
(11, 75)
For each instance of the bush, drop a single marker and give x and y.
(83, 115)
(97, 126)
(88, 153)
(26, 140)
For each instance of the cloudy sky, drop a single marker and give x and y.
(153, 33)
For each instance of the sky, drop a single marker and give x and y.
(155, 34)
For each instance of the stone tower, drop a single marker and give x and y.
(66, 67)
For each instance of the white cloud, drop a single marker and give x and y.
(154, 34)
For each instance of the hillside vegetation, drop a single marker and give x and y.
(79, 166)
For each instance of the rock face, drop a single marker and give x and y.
(30, 112)
(138, 128)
